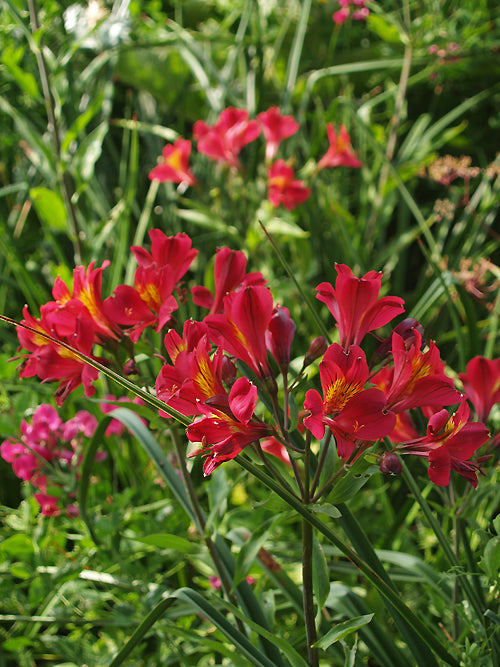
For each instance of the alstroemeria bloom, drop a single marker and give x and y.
(415, 379)
(340, 153)
(51, 362)
(276, 128)
(174, 167)
(449, 444)
(151, 302)
(347, 408)
(355, 305)
(194, 378)
(229, 275)
(224, 140)
(84, 301)
(282, 188)
(227, 427)
(482, 385)
(241, 330)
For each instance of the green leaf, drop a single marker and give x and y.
(50, 208)
(357, 476)
(17, 546)
(321, 579)
(385, 30)
(326, 508)
(490, 561)
(341, 630)
(167, 541)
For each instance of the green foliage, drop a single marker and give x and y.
(127, 582)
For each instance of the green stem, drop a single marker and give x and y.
(307, 567)
(441, 537)
(383, 588)
(200, 520)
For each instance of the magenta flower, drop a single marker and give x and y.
(355, 305)
(449, 444)
(340, 153)
(416, 379)
(282, 188)
(276, 128)
(174, 166)
(346, 407)
(279, 336)
(229, 276)
(224, 140)
(227, 427)
(481, 383)
(241, 330)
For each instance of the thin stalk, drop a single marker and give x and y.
(273, 470)
(200, 519)
(321, 462)
(63, 178)
(456, 584)
(292, 276)
(307, 567)
(383, 588)
(441, 537)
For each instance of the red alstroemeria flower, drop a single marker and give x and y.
(416, 379)
(174, 167)
(241, 330)
(449, 444)
(482, 385)
(347, 408)
(224, 140)
(276, 128)
(227, 427)
(51, 362)
(355, 305)
(193, 379)
(340, 153)
(229, 275)
(283, 189)
(151, 302)
(84, 301)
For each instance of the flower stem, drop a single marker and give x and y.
(307, 568)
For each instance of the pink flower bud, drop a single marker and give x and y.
(390, 464)
(317, 349)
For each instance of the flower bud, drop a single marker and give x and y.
(317, 349)
(406, 329)
(130, 368)
(390, 464)
(228, 371)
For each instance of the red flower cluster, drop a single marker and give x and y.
(225, 139)
(218, 366)
(46, 451)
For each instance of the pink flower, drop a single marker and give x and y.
(283, 189)
(481, 383)
(279, 336)
(276, 128)
(340, 153)
(175, 164)
(341, 15)
(224, 140)
(355, 305)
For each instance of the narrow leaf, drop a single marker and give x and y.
(341, 630)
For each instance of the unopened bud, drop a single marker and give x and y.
(228, 371)
(390, 464)
(130, 368)
(406, 329)
(317, 349)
